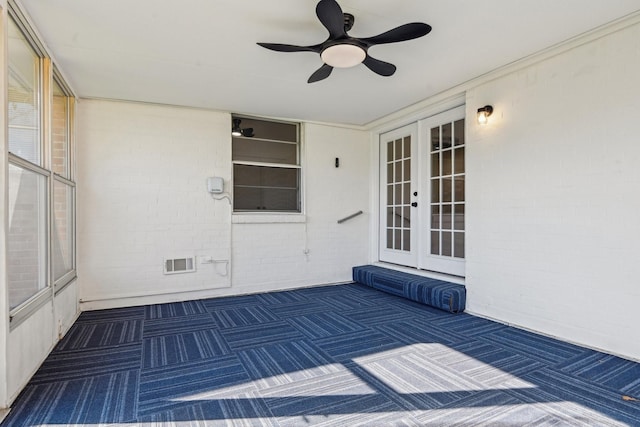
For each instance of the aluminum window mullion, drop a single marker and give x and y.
(61, 179)
(26, 164)
(270, 165)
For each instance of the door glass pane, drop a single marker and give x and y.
(407, 217)
(406, 196)
(446, 136)
(435, 139)
(446, 163)
(446, 243)
(458, 160)
(398, 149)
(435, 164)
(389, 151)
(446, 189)
(435, 190)
(407, 170)
(435, 243)
(458, 222)
(458, 244)
(26, 248)
(459, 188)
(23, 100)
(458, 129)
(435, 217)
(407, 147)
(447, 217)
(406, 240)
(398, 217)
(398, 198)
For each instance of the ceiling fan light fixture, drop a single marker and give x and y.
(343, 55)
(235, 127)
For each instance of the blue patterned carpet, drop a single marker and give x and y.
(343, 355)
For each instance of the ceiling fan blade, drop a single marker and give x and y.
(279, 47)
(379, 67)
(400, 34)
(321, 73)
(331, 16)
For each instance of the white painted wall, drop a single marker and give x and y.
(272, 256)
(30, 342)
(142, 197)
(553, 196)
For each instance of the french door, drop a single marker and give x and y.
(422, 194)
(398, 196)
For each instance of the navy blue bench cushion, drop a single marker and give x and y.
(446, 296)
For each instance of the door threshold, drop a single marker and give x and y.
(425, 273)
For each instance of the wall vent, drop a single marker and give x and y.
(179, 265)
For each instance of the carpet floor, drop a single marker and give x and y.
(344, 355)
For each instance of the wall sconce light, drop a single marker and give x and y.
(484, 113)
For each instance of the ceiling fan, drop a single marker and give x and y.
(343, 51)
(236, 130)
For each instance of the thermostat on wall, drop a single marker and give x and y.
(215, 185)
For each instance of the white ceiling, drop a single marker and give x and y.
(203, 53)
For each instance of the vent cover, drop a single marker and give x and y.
(179, 265)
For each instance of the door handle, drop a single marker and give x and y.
(414, 204)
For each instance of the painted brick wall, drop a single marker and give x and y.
(552, 196)
(142, 196)
(273, 256)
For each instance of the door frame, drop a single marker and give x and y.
(420, 175)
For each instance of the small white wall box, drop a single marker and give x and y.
(215, 185)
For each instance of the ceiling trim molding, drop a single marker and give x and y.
(426, 107)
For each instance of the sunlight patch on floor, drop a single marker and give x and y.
(303, 383)
(436, 368)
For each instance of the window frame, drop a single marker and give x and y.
(269, 215)
(63, 281)
(48, 75)
(31, 304)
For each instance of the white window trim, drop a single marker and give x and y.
(275, 217)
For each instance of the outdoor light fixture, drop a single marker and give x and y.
(484, 113)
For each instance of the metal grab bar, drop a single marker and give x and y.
(347, 218)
